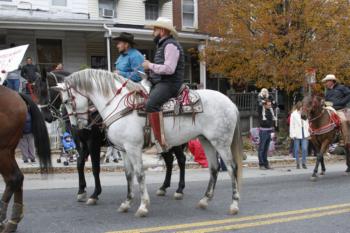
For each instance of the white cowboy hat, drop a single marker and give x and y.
(165, 23)
(329, 77)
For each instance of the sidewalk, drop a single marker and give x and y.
(152, 162)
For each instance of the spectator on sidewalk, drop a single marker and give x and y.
(14, 79)
(299, 132)
(26, 144)
(29, 73)
(266, 124)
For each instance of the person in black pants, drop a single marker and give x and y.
(266, 123)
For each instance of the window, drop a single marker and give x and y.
(152, 9)
(49, 53)
(59, 2)
(188, 13)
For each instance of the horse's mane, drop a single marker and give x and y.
(87, 79)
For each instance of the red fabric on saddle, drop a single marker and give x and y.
(197, 151)
(335, 119)
(185, 96)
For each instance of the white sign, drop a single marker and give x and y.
(10, 59)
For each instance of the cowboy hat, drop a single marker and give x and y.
(165, 23)
(125, 37)
(329, 77)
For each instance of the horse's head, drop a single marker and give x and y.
(49, 99)
(76, 103)
(311, 106)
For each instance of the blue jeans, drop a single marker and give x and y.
(304, 149)
(13, 84)
(265, 139)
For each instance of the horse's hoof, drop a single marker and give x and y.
(313, 178)
(234, 208)
(91, 201)
(178, 196)
(203, 203)
(161, 192)
(141, 212)
(10, 227)
(322, 174)
(81, 197)
(124, 207)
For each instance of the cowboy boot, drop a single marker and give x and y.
(157, 124)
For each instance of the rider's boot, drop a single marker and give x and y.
(157, 124)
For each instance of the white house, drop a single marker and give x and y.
(76, 32)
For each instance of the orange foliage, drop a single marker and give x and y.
(273, 42)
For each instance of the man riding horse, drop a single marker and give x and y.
(339, 96)
(166, 74)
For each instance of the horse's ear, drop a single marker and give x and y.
(60, 87)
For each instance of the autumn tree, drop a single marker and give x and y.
(273, 42)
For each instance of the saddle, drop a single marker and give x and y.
(187, 101)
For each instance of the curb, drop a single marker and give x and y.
(275, 162)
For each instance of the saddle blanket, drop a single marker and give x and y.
(187, 102)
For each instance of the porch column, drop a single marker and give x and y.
(202, 69)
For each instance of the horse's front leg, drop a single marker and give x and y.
(169, 159)
(181, 161)
(81, 197)
(134, 154)
(94, 149)
(129, 174)
(314, 174)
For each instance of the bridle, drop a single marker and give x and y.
(71, 100)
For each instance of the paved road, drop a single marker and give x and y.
(282, 200)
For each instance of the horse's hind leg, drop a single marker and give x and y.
(14, 183)
(169, 159)
(181, 161)
(226, 156)
(347, 154)
(213, 163)
(323, 167)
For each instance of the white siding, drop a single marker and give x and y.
(36, 4)
(167, 10)
(93, 9)
(131, 12)
(74, 51)
(79, 6)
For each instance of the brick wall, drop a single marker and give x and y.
(206, 9)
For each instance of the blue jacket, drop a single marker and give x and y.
(129, 63)
(68, 145)
(339, 96)
(28, 124)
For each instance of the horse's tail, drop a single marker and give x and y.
(237, 151)
(41, 137)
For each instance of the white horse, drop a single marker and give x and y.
(217, 128)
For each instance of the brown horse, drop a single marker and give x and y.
(324, 126)
(13, 110)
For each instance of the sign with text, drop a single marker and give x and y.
(10, 59)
